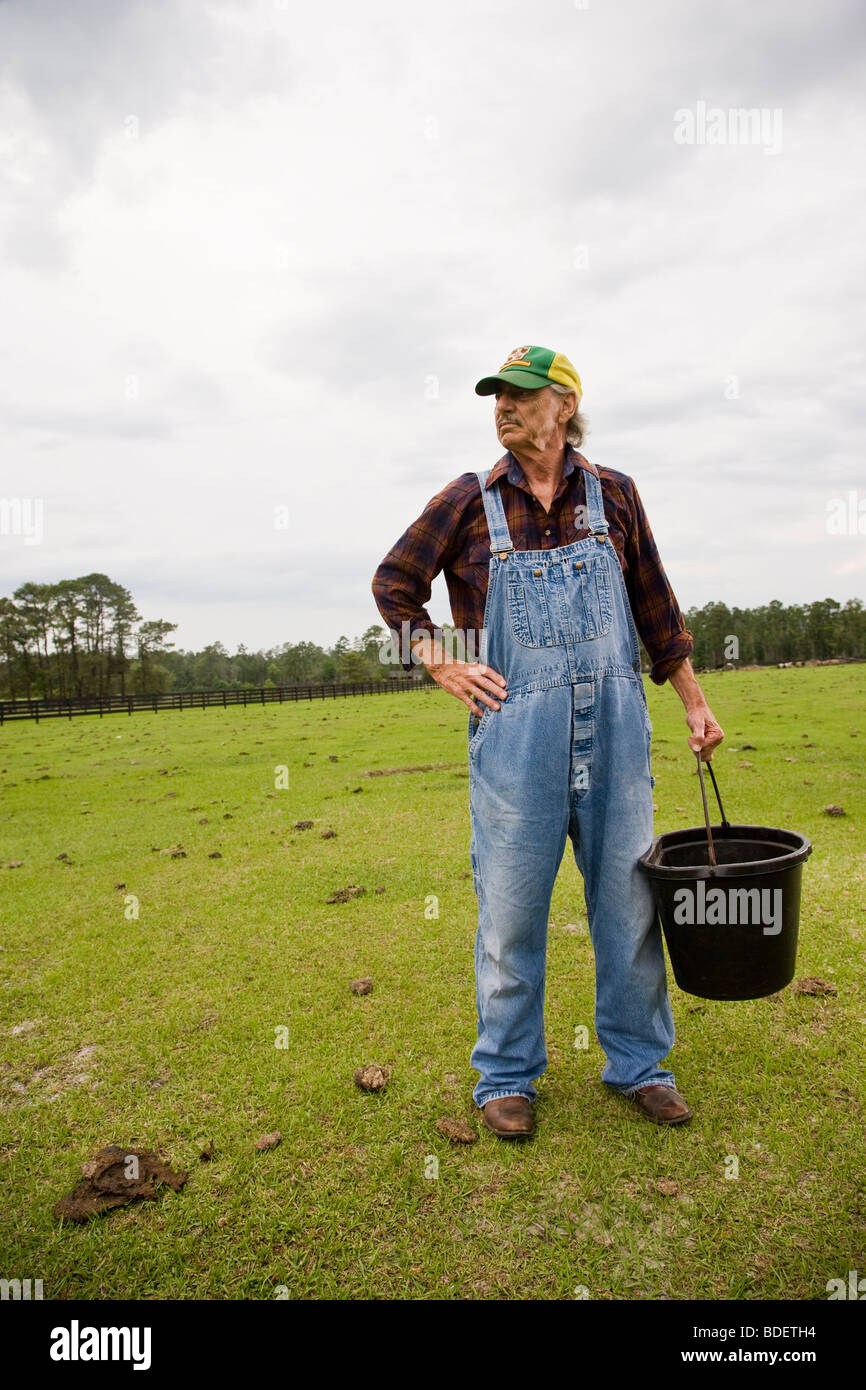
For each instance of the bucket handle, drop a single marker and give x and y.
(706, 811)
(725, 823)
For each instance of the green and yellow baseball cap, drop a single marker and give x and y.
(532, 367)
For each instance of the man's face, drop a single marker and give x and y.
(533, 419)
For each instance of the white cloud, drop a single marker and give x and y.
(241, 241)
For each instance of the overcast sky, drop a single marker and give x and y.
(255, 256)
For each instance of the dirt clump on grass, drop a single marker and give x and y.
(458, 1131)
(667, 1186)
(394, 771)
(810, 984)
(115, 1177)
(372, 1077)
(343, 895)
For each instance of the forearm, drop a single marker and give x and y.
(402, 584)
(685, 683)
(400, 597)
(428, 649)
(706, 733)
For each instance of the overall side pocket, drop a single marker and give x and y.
(477, 730)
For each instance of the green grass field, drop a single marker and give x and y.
(160, 1030)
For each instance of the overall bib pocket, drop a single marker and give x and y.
(528, 609)
(553, 604)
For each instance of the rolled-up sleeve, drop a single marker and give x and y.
(403, 581)
(658, 619)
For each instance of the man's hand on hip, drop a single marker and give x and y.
(469, 681)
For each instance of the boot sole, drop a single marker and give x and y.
(654, 1119)
(508, 1133)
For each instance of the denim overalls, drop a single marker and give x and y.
(567, 753)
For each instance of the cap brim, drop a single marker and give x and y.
(530, 381)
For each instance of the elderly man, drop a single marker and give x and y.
(552, 558)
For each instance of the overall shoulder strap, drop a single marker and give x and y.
(595, 503)
(497, 526)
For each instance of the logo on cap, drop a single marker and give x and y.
(517, 358)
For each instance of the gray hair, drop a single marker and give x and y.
(577, 427)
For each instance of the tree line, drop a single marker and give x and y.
(775, 632)
(85, 637)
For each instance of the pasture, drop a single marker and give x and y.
(173, 975)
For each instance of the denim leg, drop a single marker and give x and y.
(519, 811)
(611, 826)
(510, 959)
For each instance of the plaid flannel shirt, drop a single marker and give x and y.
(451, 535)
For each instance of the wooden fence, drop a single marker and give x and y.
(197, 699)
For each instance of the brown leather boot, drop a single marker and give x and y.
(662, 1104)
(510, 1117)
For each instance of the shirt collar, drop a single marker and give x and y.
(508, 467)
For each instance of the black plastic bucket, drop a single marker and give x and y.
(731, 928)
